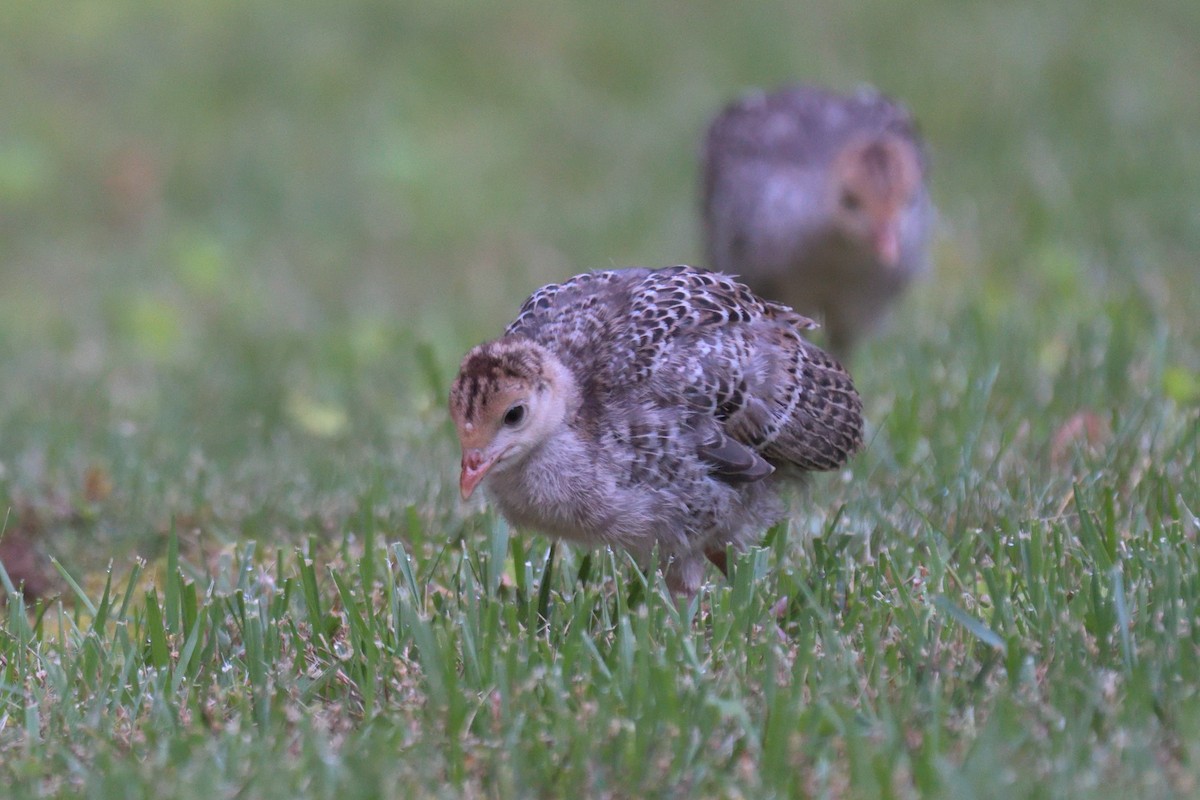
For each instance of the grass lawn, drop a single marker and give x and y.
(243, 245)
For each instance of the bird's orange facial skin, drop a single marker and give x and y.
(479, 425)
(492, 380)
(874, 182)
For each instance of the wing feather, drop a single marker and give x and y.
(704, 343)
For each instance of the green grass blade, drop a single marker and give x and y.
(76, 589)
(977, 629)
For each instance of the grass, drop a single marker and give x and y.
(242, 246)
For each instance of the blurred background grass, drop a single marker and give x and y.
(242, 244)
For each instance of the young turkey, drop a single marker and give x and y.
(641, 408)
(818, 200)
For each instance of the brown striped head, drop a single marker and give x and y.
(874, 181)
(509, 397)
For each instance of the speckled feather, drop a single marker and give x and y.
(801, 125)
(694, 398)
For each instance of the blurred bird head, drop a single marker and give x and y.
(874, 181)
(509, 397)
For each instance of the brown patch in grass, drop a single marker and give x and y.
(24, 559)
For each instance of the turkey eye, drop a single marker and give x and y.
(514, 415)
(850, 201)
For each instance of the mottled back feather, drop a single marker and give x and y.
(801, 125)
(736, 365)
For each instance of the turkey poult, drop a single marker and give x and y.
(818, 200)
(651, 408)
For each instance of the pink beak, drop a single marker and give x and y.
(474, 467)
(887, 244)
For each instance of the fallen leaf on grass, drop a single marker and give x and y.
(1181, 385)
(97, 484)
(1084, 429)
(315, 417)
